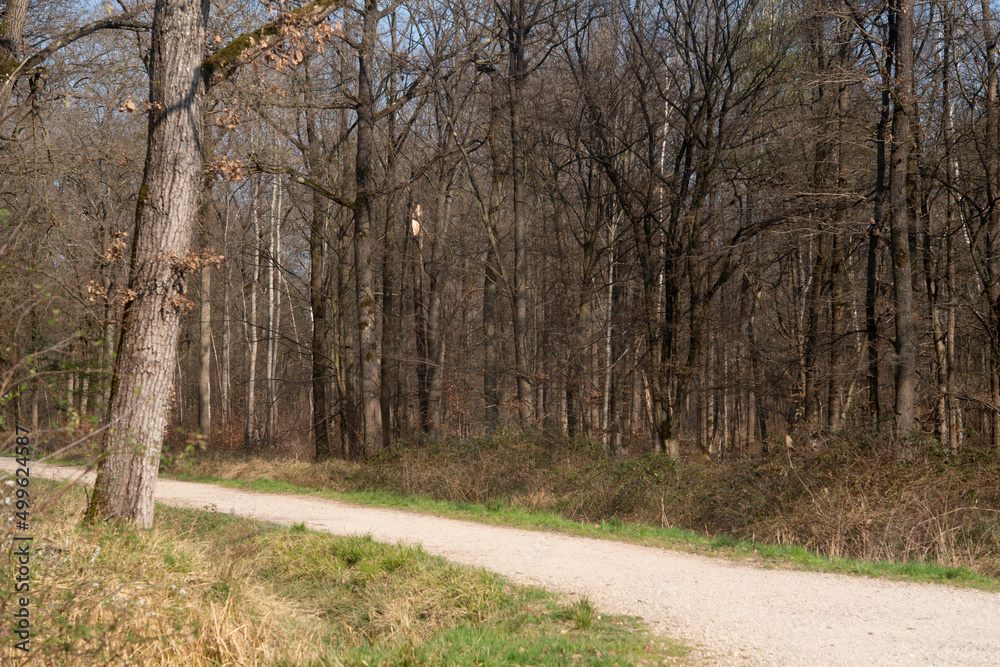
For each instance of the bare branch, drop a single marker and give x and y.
(251, 45)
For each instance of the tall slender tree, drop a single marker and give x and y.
(900, 222)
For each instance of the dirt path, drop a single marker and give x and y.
(738, 614)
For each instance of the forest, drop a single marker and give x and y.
(696, 228)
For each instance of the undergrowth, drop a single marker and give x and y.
(840, 499)
(208, 589)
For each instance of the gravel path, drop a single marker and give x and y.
(737, 614)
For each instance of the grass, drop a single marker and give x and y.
(203, 588)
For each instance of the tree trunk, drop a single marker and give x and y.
(607, 398)
(167, 204)
(250, 328)
(318, 286)
(811, 352)
(343, 326)
(835, 401)
(875, 233)
(392, 324)
(834, 389)
(391, 320)
(226, 335)
(991, 252)
(205, 356)
(319, 349)
(11, 47)
(370, 353)
(517, 29)
(417, 234)
(437, 274)
(899, 223)
(84, 395)
(491, 371)
(273, 314)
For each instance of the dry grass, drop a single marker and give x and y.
(109, 595)
(844, 498)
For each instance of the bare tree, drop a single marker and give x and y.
(168, 201)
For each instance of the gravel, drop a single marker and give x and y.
(732, 613)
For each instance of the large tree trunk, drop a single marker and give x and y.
(899, 223)
(168, 201)
(369, 350)
(11, 47)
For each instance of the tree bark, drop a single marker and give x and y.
(273, 313)
(227, 356)
(517, 29)
(875, 230)
(812, 342)
(318, 286)
(167, 204)
(491, 345)
(250, 327)
(370, 352)
(391, 304)
(437, 274)
(205, 356)
(11, 47)
(899, 223)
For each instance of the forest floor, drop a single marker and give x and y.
(733, 612)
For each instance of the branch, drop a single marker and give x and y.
(303, 179)
(251, 45)
(121, 22)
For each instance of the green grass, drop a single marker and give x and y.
(771, 555)
(203, 588)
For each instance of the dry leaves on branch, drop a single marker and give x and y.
(193, 260)
(116, 250)
(225, 167)
(128, 106)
